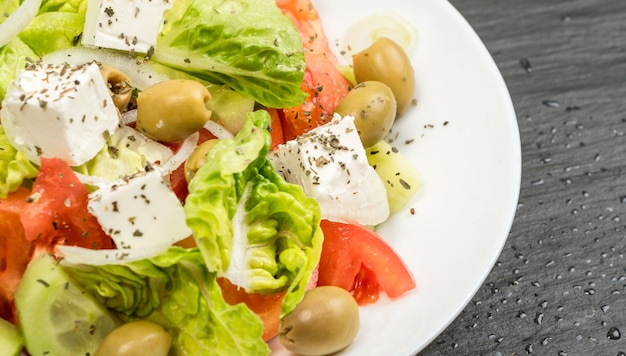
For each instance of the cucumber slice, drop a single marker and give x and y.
(56, 316)
(401, 178)
(11, 341)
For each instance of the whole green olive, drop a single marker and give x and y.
(385, 61)
(119, 84)
(197, 158)
(373, 106)
(172, 110)
(136, 338)
(325, 321)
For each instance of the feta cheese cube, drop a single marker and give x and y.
(331, 165)
(59, 110)
(139, 211)
(127, 25)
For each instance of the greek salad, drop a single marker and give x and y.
(193, 177)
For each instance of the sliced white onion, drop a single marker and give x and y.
(129, 117)
(74, 255)
(142, 73)
(185, 150)
(92, 180)
(18, 20)
(218, 130)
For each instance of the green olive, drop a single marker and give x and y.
(385, 61)
(325, 321)
(119, 84)
(197, 158)
(172, 110)
(136, 338)
(373, 106)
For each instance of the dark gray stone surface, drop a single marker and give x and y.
(559, 286)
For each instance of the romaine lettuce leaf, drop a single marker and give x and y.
(13, 57)
(176, 290)
(252, 227)
(248, 45)
(52, 31)
(14, 167)
(7, 7)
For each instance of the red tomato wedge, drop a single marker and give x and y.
(325, 85)
(32, 222)
(276, 129)
(57, 211)
(356, 259)
(266, 306)
(15, 250)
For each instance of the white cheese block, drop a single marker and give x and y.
(60, 110)
(127, 25)
(139, 211)
(330, 163)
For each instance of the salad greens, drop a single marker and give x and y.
(247, 45)
(14, 166)
(177, 291)
(274, 240)
(13, 57)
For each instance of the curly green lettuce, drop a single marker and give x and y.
(15, 167)
(248, 45)
(252, 227)
(177, 291)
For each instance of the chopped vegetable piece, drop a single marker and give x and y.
(349, 247)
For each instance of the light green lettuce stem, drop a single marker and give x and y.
(176, 290)
(15, 167)
(248, 45)
(252, 227)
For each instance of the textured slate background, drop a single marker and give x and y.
(559, 286)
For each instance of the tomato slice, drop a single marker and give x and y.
(57, 213)
(266, 306)
(276, 128)
(15, 250)
(356, 259)
(325, 85)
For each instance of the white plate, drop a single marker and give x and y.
(470, 168)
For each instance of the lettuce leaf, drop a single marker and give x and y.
(176, 290)
(53, 31)
(7, 7)
(13, 56)
(252, 227)
(14, 167)
(248, 45)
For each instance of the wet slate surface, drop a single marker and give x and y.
(559, 286)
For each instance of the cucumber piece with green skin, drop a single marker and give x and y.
(56, 316)
(11, 341)
(401, 178)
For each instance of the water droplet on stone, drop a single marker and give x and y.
(539, 318)
(551, 103)
(590, 291)
(614, 333)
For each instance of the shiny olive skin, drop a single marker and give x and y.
(385, 61)
(119, 84)
(325, 321)
(197, 158)
(172, 110)
(136, 338)
(373, 106)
